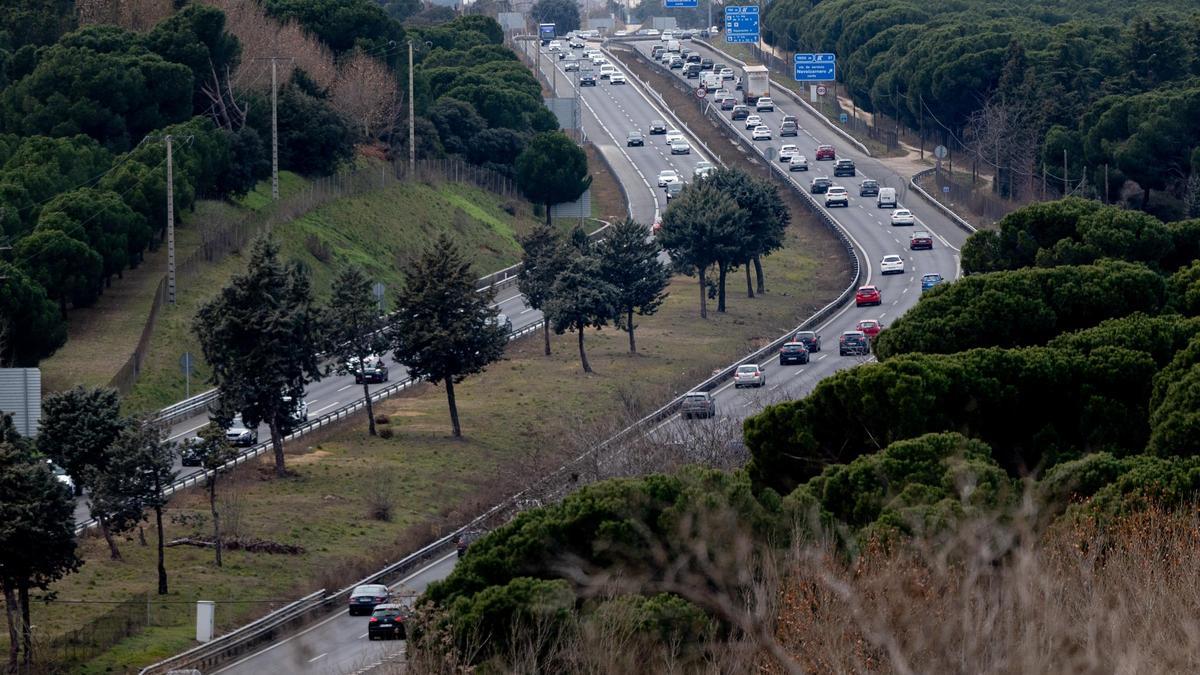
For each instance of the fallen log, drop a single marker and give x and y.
(239, 544)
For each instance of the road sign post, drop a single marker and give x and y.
(186, 364)
(741, 24)
(701, 92)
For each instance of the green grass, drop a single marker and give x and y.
(515, 416)
(381, 231)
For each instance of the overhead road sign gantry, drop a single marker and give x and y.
(741, 23)
(815, 67)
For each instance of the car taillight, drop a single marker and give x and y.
(374, 619)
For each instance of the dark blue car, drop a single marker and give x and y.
(930, 280)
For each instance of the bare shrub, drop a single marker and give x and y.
(380, 495)
(318, 248)
(381, 418)
(135, 15)
(385, 433)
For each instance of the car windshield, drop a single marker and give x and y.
(902, 213)
(932, 277)
(920, 235)
(369, 590)
(387, 613)
(748, 369)
(891, 258)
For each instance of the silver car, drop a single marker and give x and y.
(749, 375)
(239, 435)
(698, 404)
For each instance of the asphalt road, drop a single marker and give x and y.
(339, 645)
(335, 391)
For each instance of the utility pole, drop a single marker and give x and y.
(170, 222)
(1106, 182)
(1066, 183)
(412, 121)
(274, 135)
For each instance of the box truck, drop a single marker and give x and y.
(756, 82)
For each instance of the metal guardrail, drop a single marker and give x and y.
(958, 220)
(798, 99)
(234, 643)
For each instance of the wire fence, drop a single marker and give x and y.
(221, 238)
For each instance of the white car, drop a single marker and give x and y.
(703, 169)
(616, 78)
(607, 70)
(798, 163)
(761, 133)
(61, 475)
(787, 152)
(238, 435)
(621, 33)
(666, 35)
(765, 104)
(680, 147)
(753, 121)
(554, 46)
(720, 94)
(836, 195)
(891, 264)
(726, 73)
(651, 31)
(667, 176)
(598, 60)
(673, 135)
(903, 217)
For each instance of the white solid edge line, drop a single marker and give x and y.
(336, 615)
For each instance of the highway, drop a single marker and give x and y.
(339, 645)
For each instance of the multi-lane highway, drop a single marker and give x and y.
(339, 644)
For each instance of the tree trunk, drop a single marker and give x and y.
(10, 611)
(632, 344)
(113, 551)
(212, 506)
(162, 564)
(703, 295)
(277, 446)
(722, 271)
(758, 273)
(1145, 203)
(453, 407)
(26, 626)
(546, 333)
(548, 213)
(587, 367)
(749, 282)
(370, 407)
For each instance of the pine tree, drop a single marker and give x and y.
(354, 328)
(544, 260)
(629, 261)
(581, 298)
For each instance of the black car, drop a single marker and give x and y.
(376, 371)
(793, 352)
(789, 129)
(634, 138)
(464, 541)
(657, 127)
(387, 621)
(704, 33)
(692, 71)
(718, 67)
(587, 80)
(189, 452)
(694, 58)
(869, 188)
(687, 35)
(364, 598)
(854, 343)
(844, 167)
(706, 64)
(820, 185)
(740, 112)
(810, 340)
(728, 103)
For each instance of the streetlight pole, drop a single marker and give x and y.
(412, 120)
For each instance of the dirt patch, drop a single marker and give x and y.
(308, 458)
(608, 201)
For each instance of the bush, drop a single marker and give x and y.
(385, 433)
(382, 419)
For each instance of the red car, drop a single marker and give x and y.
(826, 152)
(868, 295)
(920, 240)
(870, 327)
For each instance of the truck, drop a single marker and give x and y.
(756, 82)
(547, 32)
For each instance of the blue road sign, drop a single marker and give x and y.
(741, 23)
(815, 67)
(673, 4)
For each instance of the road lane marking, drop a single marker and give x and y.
(345, 387)
(327, 406)
(318, 657)
(526, 311)
(185, 433)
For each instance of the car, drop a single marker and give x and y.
(651, 31)
(790, 118)
(868, 295)
(853, 343)
(737, 83)
(692, 71)
(388, 621)
(691, 57)
(706, 64)
(634, 138)
(789, 128)
(657, 52)
(666, 35)
(930, 280)
(920, 241)
(299, 410)
(554, 46)
(562, 56)
(740, 112)
(844, 167)
(811, 340)
(676, 63)
(836, 196)
(64, 478)
(238, 435)
(587, 80)
(674, 135)
(621, 33)
(704, 32)
(761, 133)
(376, 370)
(886, 199)
(868, 188)
(666, 57)
(764, 104)
(891, 264)
(723, 92)
(616, 78)
(726, 74)
(598, 60)
(826, 153)
(364, 598)
(673, 189)
(787, 151)
(464, 541)
(702, 169)
(657, 127)
(576, 43)
(190, 452)
(749, 375)
(793, 352)
(685, 35)
(729, 102)
(680, 147)
(606, 70)
(903, 217)
(798, 163)
(870, 327)
(571, 66)
(819, 185)
(697, 404)
(718, 67)
(667, 176)
(753, 121)
(502, 321)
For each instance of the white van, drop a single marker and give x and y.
(673, 46)
(711, 81)
(886, 198)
